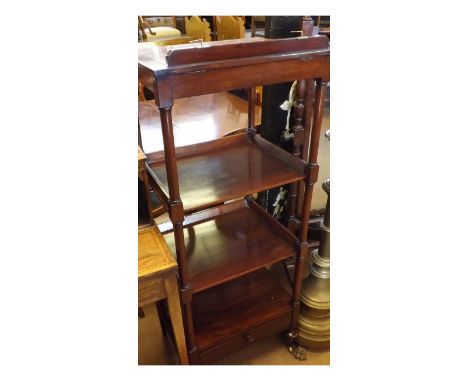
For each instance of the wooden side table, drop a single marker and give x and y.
(157, 280)
(157, 270)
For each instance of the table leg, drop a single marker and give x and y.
(175, 312)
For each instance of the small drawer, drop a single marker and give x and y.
(247, 338)
(151, 290)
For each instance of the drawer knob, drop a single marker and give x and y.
(249, 338)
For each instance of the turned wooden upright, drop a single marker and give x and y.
(222, 66)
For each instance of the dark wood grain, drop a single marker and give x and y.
(231, 245)
(236, 307)
(226, 169)
(214, 80)
(226, 50)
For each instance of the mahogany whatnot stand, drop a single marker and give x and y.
(222, 238)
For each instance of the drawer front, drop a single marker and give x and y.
(245, 339)
(151, 290)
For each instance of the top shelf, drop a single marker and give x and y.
(225, 169)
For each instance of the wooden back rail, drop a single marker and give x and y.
(187, 73)
(225, 51)
(221, 67)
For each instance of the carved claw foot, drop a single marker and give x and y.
(298, 352)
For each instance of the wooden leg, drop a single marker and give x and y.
(162, 316)
(175, 312)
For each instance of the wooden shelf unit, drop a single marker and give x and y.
(228, 297)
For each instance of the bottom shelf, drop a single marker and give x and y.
(237, 313)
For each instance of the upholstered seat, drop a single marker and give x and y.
(161, 32)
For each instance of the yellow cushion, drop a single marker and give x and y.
(163, 32)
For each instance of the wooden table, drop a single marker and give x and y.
(157, 280)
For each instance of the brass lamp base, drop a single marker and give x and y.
(314, 318)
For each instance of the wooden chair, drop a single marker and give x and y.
(257, 20)
(162, 30)
(158, 21)
(197, 28)
(230, 27)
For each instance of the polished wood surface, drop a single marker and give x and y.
(225, 169)
(157, 279)
(239, 49)
(195, 119)
(216, 254)
(233, 308)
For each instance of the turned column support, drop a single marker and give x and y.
(176, 214)
(311, 176)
